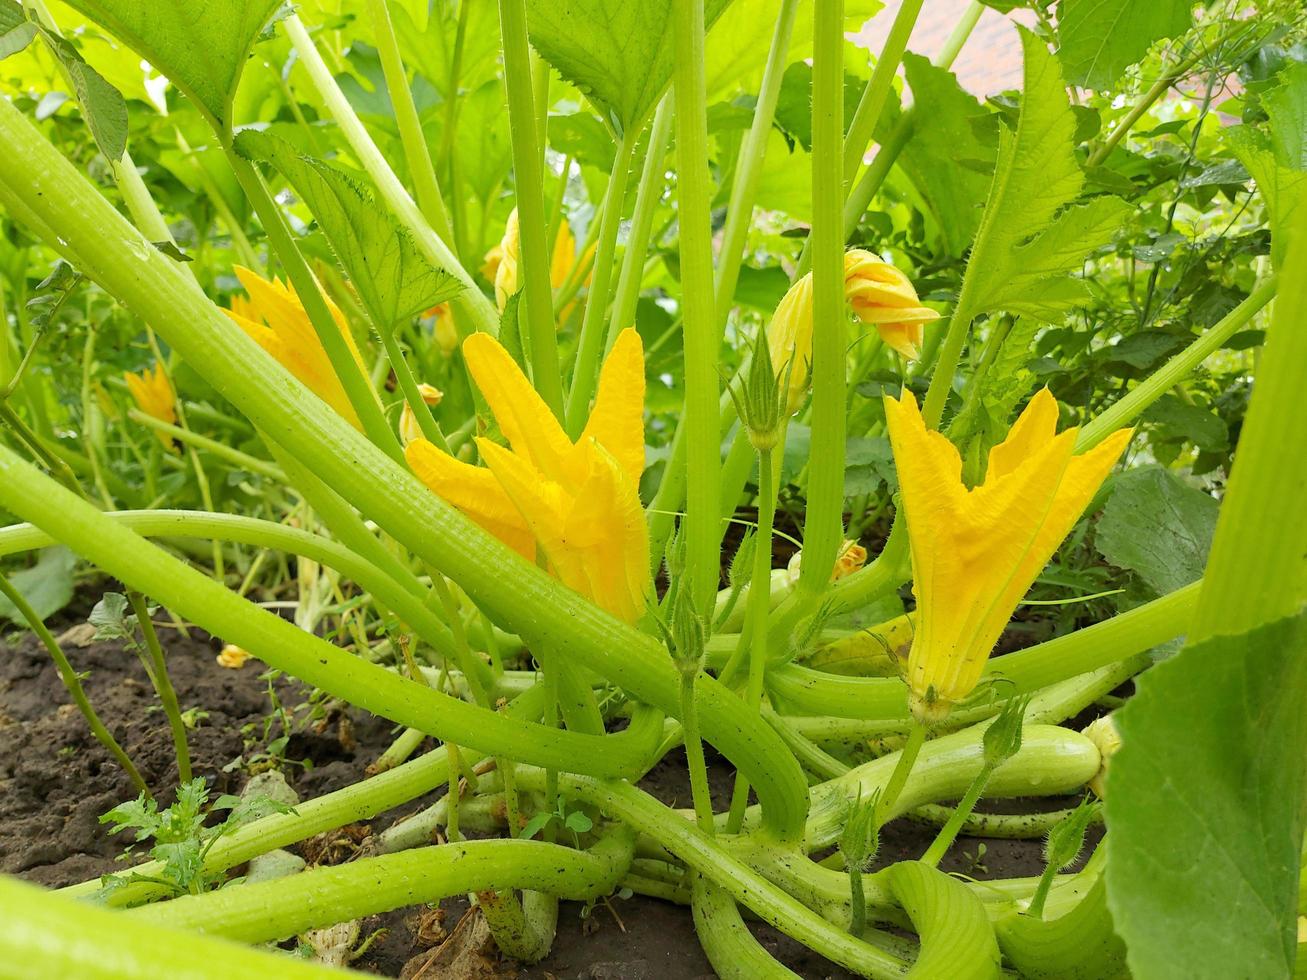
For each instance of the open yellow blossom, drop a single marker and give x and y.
(153, 396)
(232, 657)
(503, 261)
(975, 552)
(877, 292)
(275, 318)
(852, 556)
(577, 502)
(409, 429)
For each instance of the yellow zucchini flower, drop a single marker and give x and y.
(446, 333)
(877, 292)
(409, 428)
(577, 502)
(975, 552)
(502, 262)
(153, 396)
(275, 318)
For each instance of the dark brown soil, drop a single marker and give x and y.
(56, 781)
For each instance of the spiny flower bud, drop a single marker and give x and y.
(762, 397)
(1002, 738)
(860, 838)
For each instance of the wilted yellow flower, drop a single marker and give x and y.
(409, 429)
(275, 318)
(1102, 732)
(975, 552)
(852, 556)
(503, 261)
(881, 294)
(153, 396)
(578, 502)
(233, 657)
(878, 293)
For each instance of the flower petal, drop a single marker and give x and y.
(1035, 426)
(474, 491)
(617, 420)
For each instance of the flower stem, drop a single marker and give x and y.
(949, 832)
(163, 685)
(824, 524)
(596, 303)
(878, 87)
(72, 682)
(902, 769)
(694, 757)
(857, 901)
(647, 197)
(748, 167)
(425, 185)
(758, 609)
(234, 456)
(537, 295)
(701, 337)
(408, 384)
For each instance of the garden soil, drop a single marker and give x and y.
(56, 781)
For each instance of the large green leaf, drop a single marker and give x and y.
(737, 51)
(200, 45)
(619, 53)
(16, 31)
(949, 163)
(1157, 526)
(1205, 802)
(392, 277)
(1277, 156)
(1025, 249)
(1100, 39)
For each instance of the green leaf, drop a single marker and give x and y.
(200, 45)
(1277, 158)
(1100, 39)
(1157, 526)
(103, 106)
(943, 135)
(1025, 249)
(1205, 804)
(16, 31)
(736, 53)
(112, 619)
(47, 586)
(535, 825)
(393, 279)
(617, 52)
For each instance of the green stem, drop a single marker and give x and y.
(591, 343)
(759, 606)
(57, 467)
(902, 769)
(647, 197)
(823, 524)
(857, 901)
(1144, 103)
(220, 449)
(1268, 476)
(748, 167)
(72, 682)
(362, 397)
(700, 335)
(425, 185)
(163, 685)
(1036, 908)
(409, 386)
(694, 754)
(1166, 377)
(537, 294)
(878, 88)
(949, 832)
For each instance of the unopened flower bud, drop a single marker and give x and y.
(852, 556)
(762, 397)
(409, 429)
